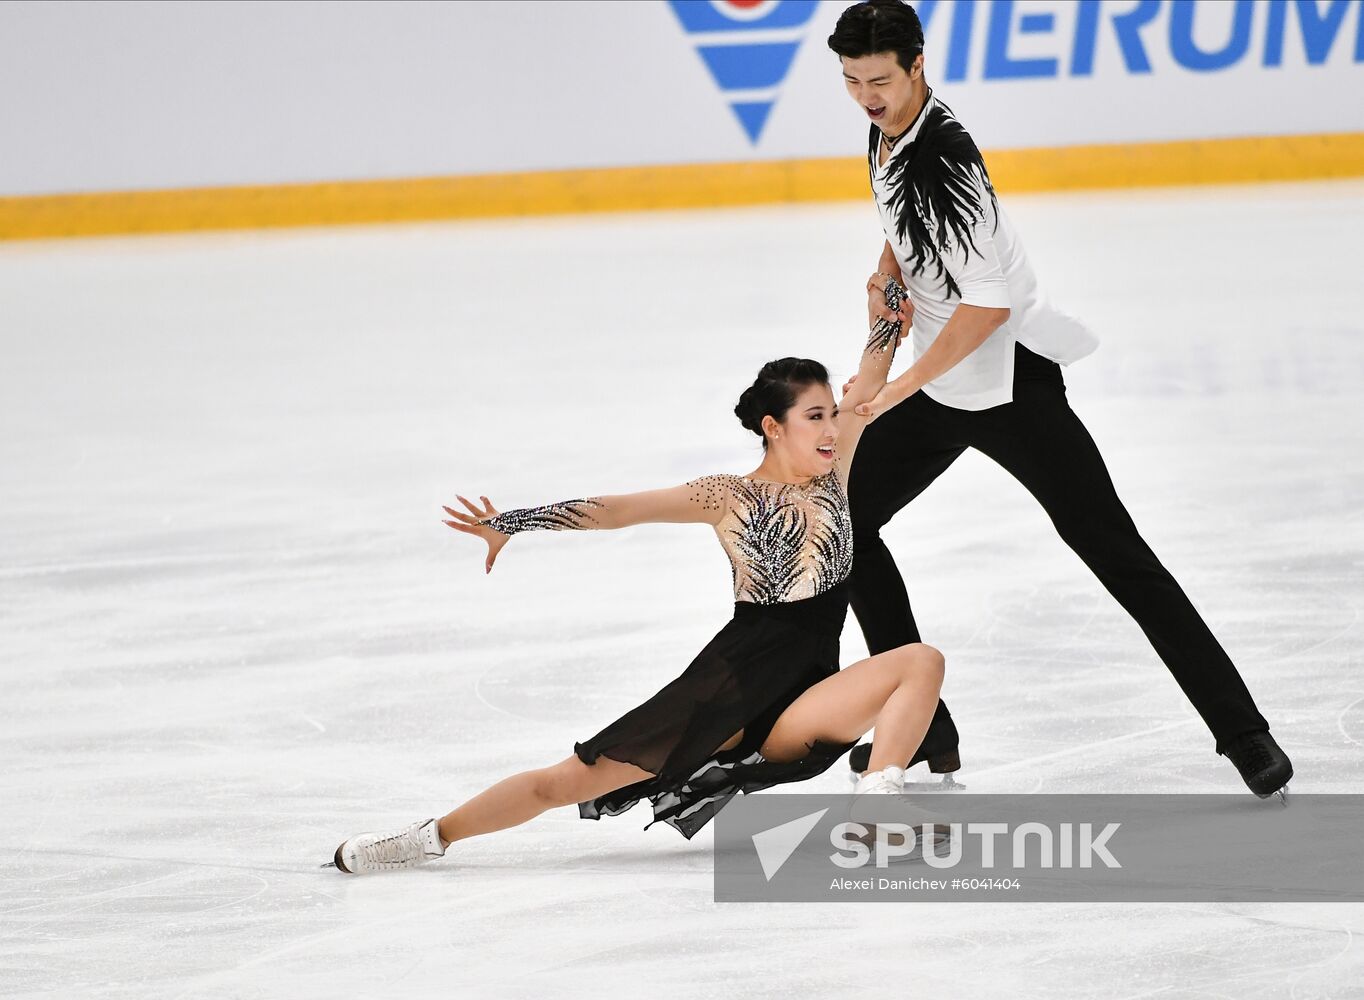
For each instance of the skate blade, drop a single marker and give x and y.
(329, 864)
(937, 848)
(1282, 793)
(948, 784)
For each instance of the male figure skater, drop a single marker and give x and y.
(985, 376)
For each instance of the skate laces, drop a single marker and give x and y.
(394, 849)
(1255, 755)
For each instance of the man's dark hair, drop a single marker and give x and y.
(865, 29)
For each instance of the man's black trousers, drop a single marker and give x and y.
(1040, 441)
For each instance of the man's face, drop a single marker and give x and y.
(882, 86)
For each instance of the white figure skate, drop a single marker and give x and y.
(380, 852)
(879, 798)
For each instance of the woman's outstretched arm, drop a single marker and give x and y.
(877, 355)
(699, 501)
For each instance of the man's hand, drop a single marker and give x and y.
(878, 310)
(891, 393)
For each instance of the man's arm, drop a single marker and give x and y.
(983, 309)
(966, 329)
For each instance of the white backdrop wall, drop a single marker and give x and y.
(133, 95)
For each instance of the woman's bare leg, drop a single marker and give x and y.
(522, 797)
(895, 691)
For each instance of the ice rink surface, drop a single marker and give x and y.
(233, 630)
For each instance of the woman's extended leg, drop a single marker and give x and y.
(895, 691)
(510, 802)
(522, 797)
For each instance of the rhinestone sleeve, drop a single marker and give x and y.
(566, 515)
(884, 333)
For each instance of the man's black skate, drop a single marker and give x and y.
(1263, 766)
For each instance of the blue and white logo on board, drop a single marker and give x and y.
(748, 46)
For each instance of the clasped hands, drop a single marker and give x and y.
(877, 310)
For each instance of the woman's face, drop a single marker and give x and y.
(806, 438)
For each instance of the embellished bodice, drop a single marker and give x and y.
(784, 542)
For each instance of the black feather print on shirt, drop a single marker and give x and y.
(936, 179)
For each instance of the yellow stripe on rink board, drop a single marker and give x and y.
(1198, 161)
(698, 185)
(612, 189)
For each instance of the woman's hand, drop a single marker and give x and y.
(878, 310)
(470, 526)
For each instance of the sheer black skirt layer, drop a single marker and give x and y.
(753, 669)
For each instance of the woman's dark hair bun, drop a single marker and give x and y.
(775, 389)
(744, 410)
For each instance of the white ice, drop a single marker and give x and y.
(233, 629)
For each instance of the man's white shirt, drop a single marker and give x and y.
(995, 274)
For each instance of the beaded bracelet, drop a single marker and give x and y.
(890, 279)
(885, 334)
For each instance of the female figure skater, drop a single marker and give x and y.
(765, 702)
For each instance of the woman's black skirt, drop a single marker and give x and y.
(744, 679)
